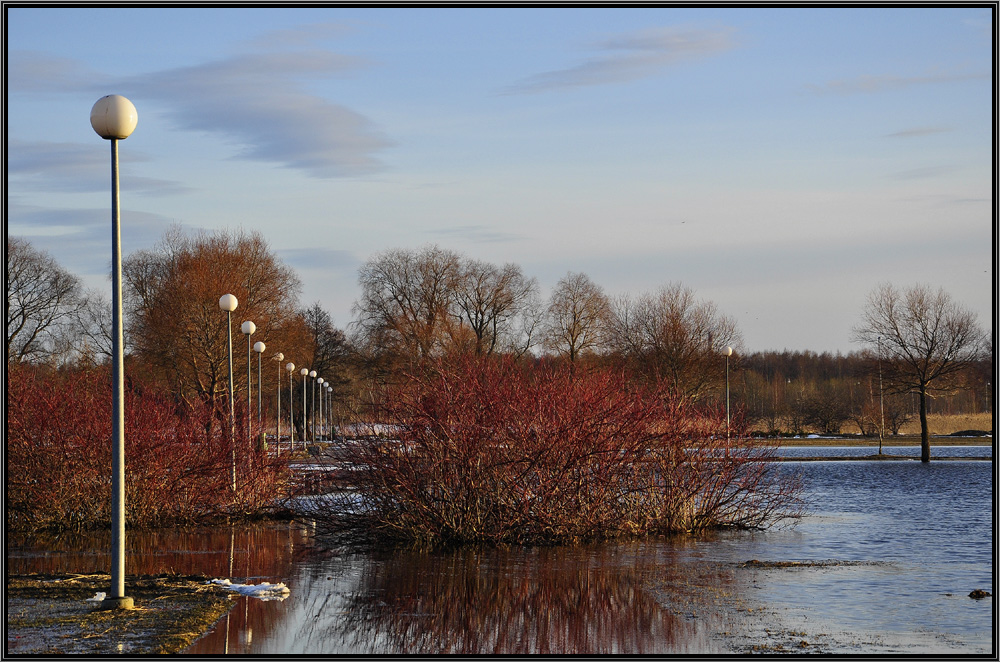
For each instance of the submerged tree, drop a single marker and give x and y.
(928, 342)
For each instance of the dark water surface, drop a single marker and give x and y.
(898, 546)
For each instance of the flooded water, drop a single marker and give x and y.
(897, 548)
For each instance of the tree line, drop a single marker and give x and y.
(442, 345)
(417, 305)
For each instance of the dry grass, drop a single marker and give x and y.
(947, 424)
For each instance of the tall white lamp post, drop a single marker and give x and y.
(329, 408)
(304, 372)
(312, 414)
(279, 357)
(228, 303)
(881, 403)
(114, 118)
(728, 351)
(259, 347)
(290, 367)
(249, 328)
(319, 380)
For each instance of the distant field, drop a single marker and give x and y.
(938, 424)
(945, 424)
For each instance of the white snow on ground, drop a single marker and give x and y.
(262, 591)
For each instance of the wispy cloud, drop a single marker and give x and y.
(81, 237)
(476, 233)
(923, 173)
(260, 101)
(319, 258)
(918, 132)
(873, 84)
(75, 167)
(632, 56)
(32, 71)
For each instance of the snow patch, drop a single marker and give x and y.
(262, 591)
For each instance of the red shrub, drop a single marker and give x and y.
(177, 468)
(493, 451)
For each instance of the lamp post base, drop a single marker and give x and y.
(123, 602)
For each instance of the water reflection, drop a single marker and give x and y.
(918, 536)
(597, 599)
(245, 551)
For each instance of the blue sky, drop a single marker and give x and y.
(781, 162)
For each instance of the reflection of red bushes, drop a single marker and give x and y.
(59, 437)
(491, 451)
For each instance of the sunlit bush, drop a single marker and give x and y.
(59, 437)
(492, 451)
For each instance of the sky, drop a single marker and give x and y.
(780, 162)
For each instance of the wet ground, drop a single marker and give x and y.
(54, 614)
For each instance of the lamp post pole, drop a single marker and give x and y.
(114, 118)
(304, 372)
(329, 409)
(319, 380)
(290, 367)
(228, 303)
(249, 328)
(312, 414)
(881, 404)
(279, 357)
(728, 351)
(259, 347)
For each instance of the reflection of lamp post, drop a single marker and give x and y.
(304, 372)
(248, 328)
(114, 118)
(728, 351)
(228, 303)
(279, 357)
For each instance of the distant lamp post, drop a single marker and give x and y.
(881, 404)
(319, 380)
(290, 367)
(304, 372)
(329, 408)
(728, 351)
(249, 328)
(279, 357)
(259, 347)
(312, 414)
(228, 303)
(114, 118)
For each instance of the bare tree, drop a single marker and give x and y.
(405, 298)
(927, 339)
(577, 314)
(669, 335)
(175, 322)
(40, 295)
(489, 299)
